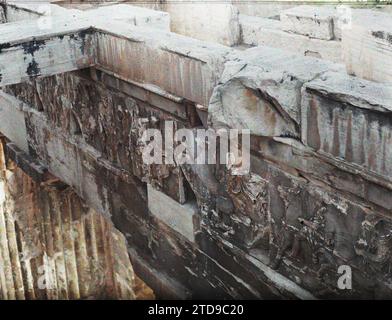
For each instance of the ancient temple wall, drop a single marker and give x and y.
(318, 193)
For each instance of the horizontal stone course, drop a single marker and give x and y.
(318, 230)
(198, 64)
(298, 159)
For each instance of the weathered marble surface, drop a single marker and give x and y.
(198, 64)
(317, 230)
(348, 118)
(297, 226)
(263, 9)
(110, 122)
(110, 45)
(260, 90)
(34, 52)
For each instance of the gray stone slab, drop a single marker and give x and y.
(178, 216)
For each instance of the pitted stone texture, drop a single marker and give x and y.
(260, 90)
(348, 118)
(367, 45)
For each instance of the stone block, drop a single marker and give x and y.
(260, 90)
(30, 10)
(242, 217)
(214, 22)
(104, 186)
(12, 121)
(60, 157)
(258, 31)
(182, 66)
(36, 52)
(338, 174)
(349, 118)
(367, 45)
(199, 273)
(312, 21)
(150, 94)
(263, 9)
(137, 16)
(251, 268)
(179, 217)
